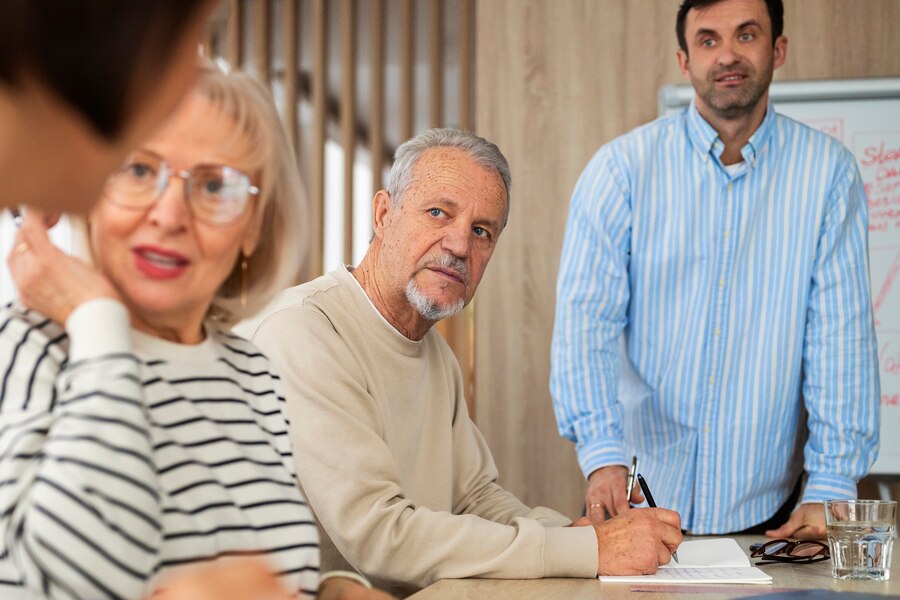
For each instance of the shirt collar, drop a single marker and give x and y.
(706, 141)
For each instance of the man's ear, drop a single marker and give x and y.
(779, 52)
(683, 63)
(381, 207)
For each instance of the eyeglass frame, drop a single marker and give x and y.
(783, 553)
(164, 177)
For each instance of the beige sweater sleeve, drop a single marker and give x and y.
(353, 484)
(476, 475)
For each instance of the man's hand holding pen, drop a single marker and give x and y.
(638, 541)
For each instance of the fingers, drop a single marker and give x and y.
(33, 232)
(669, 517)
(807, 523)
(638, 541)
(787, 530)
(636, 496)
(664, 555)
(606, 493)
(810, 532)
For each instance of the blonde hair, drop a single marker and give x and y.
(281, 207)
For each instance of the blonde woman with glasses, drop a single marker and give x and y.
(137, 435)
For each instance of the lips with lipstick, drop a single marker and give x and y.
(159, 263)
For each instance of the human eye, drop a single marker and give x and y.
(481, 232)
(140, 170)
(747, 37)
(707, 43)
(436, 212)
(212, 186)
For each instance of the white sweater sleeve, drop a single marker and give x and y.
(79, 509)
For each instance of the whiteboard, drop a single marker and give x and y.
(864, 114)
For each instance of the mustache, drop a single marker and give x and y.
(448, 261)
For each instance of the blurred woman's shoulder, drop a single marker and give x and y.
(33, 349)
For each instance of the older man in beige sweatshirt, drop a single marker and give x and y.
(401, 480)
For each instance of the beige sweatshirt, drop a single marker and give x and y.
(401, 480)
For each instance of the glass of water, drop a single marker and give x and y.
(861, 536)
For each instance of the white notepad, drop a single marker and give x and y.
(717, 560)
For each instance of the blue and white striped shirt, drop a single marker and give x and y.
(705, 319)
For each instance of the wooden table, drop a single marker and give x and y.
(786, 577)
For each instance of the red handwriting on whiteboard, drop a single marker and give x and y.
(886, 286)
(879, 160)
(879, 154)
(890, 399)
(889, 359)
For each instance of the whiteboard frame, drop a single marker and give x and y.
(674, 97)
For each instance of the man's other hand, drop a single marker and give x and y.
(807, 523)
(606, 493)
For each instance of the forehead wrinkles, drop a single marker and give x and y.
(451, 169)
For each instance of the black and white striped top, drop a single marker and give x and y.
(122, 459)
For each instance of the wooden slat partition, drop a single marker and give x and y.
(436, 65)
(261, 39)
(319, 99)
(376, 109)
(234, 40)
(291, 58)
(406, 23)
(466, 62)
(307, 26)
(348, 117)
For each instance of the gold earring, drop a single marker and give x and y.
(243, 281)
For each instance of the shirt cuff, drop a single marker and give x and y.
(823, 486)
(599, 453)
(346, 575)
(98, 327)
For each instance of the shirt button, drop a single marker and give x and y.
(727, 234)
(712, 380)
(729, 187)
(706, 429)
(721, 283)
(717, 332)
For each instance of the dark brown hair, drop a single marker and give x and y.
(92, 53)
(775, 8)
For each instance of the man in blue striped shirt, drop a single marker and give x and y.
(713, 312)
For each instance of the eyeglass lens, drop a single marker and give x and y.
(214, 193)
(798, 550)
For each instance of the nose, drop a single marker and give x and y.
(458, 239)
(170, 211)
(728, 55)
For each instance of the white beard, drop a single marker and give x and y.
(428, 308)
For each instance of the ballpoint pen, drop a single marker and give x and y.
(629, 484)
(650, 502)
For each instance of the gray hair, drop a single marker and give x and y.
(483, 152)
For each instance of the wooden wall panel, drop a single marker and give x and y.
(554, 81)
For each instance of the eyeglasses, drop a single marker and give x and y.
(781, 550)
(215, 194)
